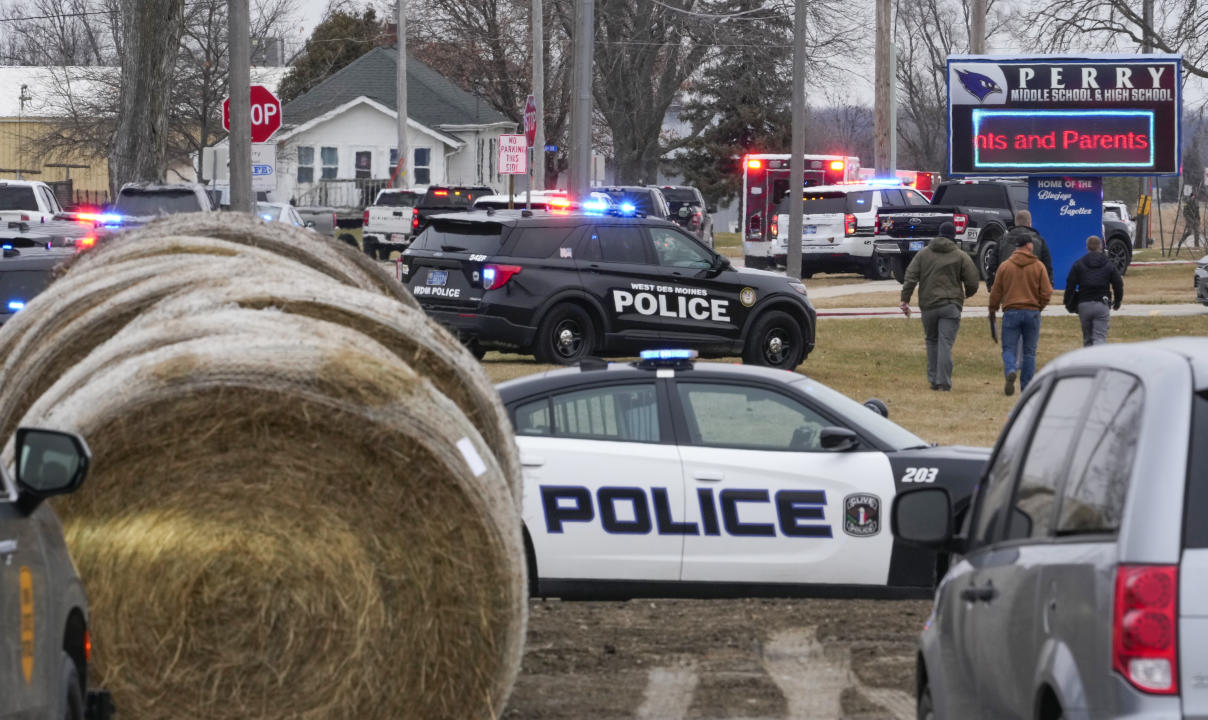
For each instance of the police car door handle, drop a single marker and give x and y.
(709, 475)
(531, 461)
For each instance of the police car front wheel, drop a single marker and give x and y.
(776, 341)
(566, 336)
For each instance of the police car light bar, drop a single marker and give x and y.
(15, 305)
(666, 358)
(598, 206)
(628, 208)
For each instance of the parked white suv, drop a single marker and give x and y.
(838, 225)
(1115, 210)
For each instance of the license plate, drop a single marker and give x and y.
(397, 237)
(915, 245)
(809, 230)
(438, 277)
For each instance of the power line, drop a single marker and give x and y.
(772, 14)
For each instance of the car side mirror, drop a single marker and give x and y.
(838, 439)
(720, 263)
(922, 517)
(712, 209)
(50, 462)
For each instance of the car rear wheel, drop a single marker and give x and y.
(565, 337)
(926, 708)
(71, 694)
(897, 267)
(775, 341)
(987, 257)
(1120, 253)
(879, 267)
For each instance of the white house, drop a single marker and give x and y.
(338, 145)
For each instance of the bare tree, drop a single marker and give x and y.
(928, 32)
(57, 32)
(483, 46)
(86, 101)
(151, 31)
(1179, 26)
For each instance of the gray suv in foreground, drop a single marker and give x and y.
(1079, 579)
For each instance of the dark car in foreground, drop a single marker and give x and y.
(1079, 587)
(674, 478)
(568, 286)
(45, 647)
(25, 271)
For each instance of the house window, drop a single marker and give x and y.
(422, 169)
(393, 162)
(364, 164)
(306, 165)
(331, 162)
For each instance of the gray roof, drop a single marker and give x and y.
(432, 99)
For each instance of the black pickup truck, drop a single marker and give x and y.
(983, 210)
(441, 199)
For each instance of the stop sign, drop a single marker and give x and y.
(530, 120)
(266, 114)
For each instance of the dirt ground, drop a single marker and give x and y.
(719, 659)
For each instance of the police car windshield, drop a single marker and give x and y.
(477, 237)
(155, 202)
(837, 202)
(883, 428)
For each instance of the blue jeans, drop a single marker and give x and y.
(1017, 324)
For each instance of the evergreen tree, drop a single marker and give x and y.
(750, 116)
(341, 38)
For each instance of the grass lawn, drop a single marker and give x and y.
(879, 358)
(1160, 284)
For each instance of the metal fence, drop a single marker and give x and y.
(342, 193)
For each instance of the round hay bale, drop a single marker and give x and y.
(335, 259)
(61, 328)
(283, 519)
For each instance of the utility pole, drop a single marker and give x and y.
(882, 88)
(797, 163)
(239, 40)
(580, 117)
(537, 182)
(1143, 224)
(893, 109)
(400, 87)
(977, 28)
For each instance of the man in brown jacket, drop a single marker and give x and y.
(1022, 288)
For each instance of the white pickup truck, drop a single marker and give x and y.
(387, 223)
(27, 201)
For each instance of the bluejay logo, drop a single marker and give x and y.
(978, 85)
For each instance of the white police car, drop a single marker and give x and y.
(670, 478)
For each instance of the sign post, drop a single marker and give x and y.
(530, 134)
(513, 157)
(1064, 122)
(266, 121)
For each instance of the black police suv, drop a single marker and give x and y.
(568, 286)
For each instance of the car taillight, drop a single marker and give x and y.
(334, 224)
(24, 217)
(496, 276)
(877, 226)
(85, 242)
(365, 218)
(849, 224)
(774, 228)
(414, 221)
(1145, 627)
(961, 222)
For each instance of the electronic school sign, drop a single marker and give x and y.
(1051, 115)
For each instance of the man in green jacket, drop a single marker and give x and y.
(945, 276)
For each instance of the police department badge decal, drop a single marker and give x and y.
(862, 515)
(747, 296)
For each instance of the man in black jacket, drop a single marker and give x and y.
(1093, 286)
(1006, 246)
